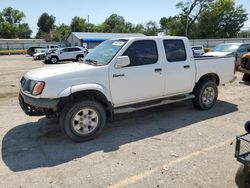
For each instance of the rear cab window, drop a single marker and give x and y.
(175, 50)
(142, 52)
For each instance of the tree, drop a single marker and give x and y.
(78, 24)
(139, 28)
(191, 9)
(173, 25)
(23, 31)
(221, 20)
(151, 28)
(45, 25)
(11, 25)
(13, 16)
(114, 24)
(61, 32)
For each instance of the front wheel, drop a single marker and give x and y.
(246, 77)
(206, 94)
(242, 178)
(83, 120)
(54, 60)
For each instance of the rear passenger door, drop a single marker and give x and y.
(180, 70)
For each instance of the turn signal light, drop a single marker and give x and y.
(38, 89)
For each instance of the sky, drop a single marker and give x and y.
(135, 11)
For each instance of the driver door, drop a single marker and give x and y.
(143, 79)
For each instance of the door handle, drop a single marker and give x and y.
(186, 66)
(158, 70)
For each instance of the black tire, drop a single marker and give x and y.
(246, 78)
(78, 58)
(199, 91)
(242, 177)
(54, 60)
(69, 112)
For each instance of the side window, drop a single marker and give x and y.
(65, 50)
(242, 49)
(77, 49)
(175, 50)
(142, 53)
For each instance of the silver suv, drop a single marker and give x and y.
(66, 54)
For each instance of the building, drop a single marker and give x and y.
(91, 40)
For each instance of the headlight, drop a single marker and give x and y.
(38, 88)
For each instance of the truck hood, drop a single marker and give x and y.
(217, 54)
(42, 74)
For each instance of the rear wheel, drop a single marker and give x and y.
(206, 94)
(83, 120)
(78, 58)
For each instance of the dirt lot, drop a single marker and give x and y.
(169, 146)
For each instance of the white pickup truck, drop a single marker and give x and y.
(121, 76)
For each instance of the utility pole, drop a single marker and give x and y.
(88, 24)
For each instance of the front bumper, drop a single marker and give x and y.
(36, 106)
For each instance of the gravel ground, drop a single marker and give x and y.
(169, 146)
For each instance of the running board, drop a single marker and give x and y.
(151, 104)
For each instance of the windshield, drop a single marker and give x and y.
(226, 48)
(104, 53)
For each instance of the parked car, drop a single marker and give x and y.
(32, 50)
(121, 76)
(41, 55)
(224, 49)
(242, 50)
(199, 49)
(49, 47)
(245, 67)
(66, 54)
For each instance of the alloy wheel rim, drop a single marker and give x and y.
(85, 121)
(54, 60)
(208, 96)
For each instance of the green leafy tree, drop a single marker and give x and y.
(12, 16)
(190, 11)
(173, 25)
(139, 28)
(11, 25)
(23, 31)
(78, 24)
(114, 24)
(61, 32)
(45, 25)
(221, 20)
(151, 28)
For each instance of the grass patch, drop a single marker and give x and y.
(11, 52)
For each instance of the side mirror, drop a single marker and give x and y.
(122, 61)
(248, 49)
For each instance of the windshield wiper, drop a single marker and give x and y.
(91, 61)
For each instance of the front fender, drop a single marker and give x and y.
(84, 87)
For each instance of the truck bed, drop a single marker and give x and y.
(222, 66)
